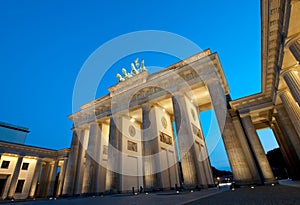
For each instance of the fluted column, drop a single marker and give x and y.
(258, 149)
(14, 178)
(292, 109)
(235, 152)
(152, 175)
(287, 150)
(52, 178)
(61, 177)
(100, 170)
(114, 162)
(43, 184)
(206, 160)
(293, 81)
(35, 178)
(241, 135)
(88, 185)
(69, 179)
(295, 50)
(81, 162)
(189, 161)
(287, 127)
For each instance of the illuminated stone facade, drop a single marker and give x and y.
(127, 139)
(30, 172)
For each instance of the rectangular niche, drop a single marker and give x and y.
(197, 131)
(131, 146)
(167, 139)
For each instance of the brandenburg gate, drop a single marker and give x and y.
(127, 139)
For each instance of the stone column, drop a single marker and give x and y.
(62, 177)
(206, 162)
(292, 109)
(35, 178)
(44, 181)
(88, 182)
(287, 127)
(241, 135)
(81, 162)
(286, 148)
(190, 166)
(151, 161)
(14, 178)
(257, 148)
(293, 81)
(295, 50)
(114, 162)
(235, 152)
(100, 170)
(52, 178)
(69, 179)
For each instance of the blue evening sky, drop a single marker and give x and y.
(45, 43)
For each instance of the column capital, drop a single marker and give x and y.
(288, 70)
(282, 91)
(292, 39)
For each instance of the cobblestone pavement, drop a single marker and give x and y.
(262, 195)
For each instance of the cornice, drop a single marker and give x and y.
(189, 72)
(27, 150)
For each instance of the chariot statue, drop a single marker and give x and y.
(120, 78)
(143, 68)
(134, 70)
(126, 75)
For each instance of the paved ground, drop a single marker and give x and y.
(159, 198)
(263, 195)
(260, 195)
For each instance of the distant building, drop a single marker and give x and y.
(13, 133)
(28, 171)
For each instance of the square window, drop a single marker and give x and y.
(5, 164)
(20, 185)
(25, 166)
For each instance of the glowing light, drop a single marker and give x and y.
(164, 110)
(132, 119)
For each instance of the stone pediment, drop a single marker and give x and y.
(130, 83)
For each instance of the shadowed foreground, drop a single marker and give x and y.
(277, 195)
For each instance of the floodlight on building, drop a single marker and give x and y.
(132, 119)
